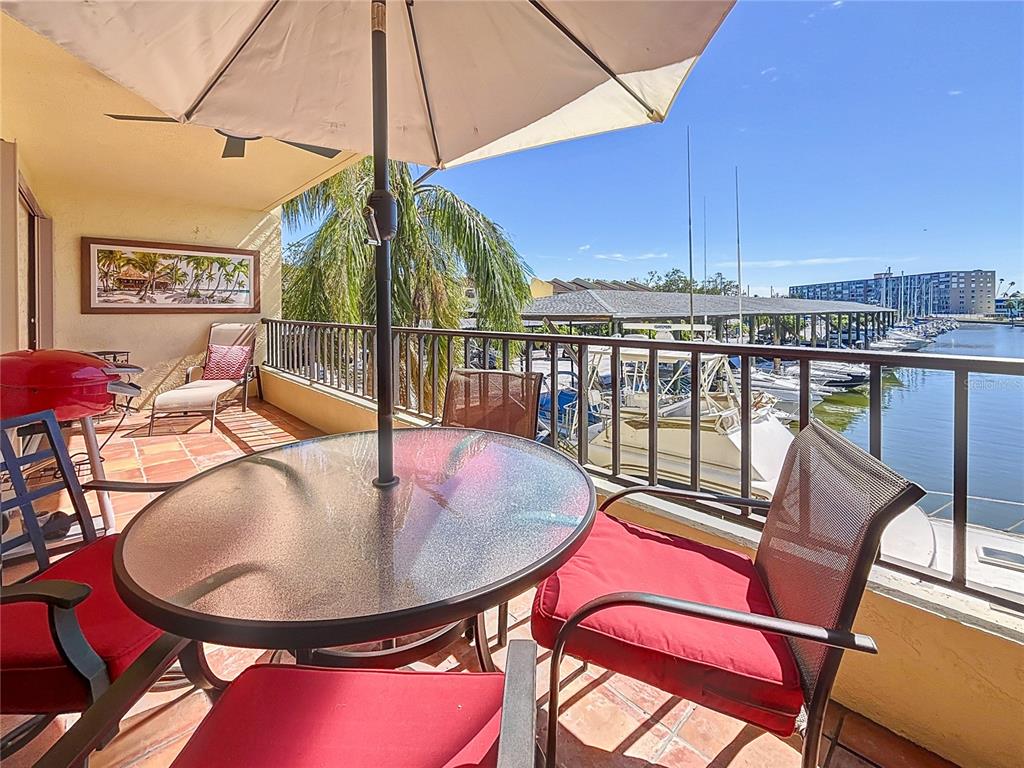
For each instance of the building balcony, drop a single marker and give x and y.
(607, 719)
(904, 707)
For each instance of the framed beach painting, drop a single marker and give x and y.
(141, 277)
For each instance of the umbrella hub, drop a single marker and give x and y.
(381, 214)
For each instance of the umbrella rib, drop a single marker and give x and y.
(423, 81)
(220, 73)
(652, 114)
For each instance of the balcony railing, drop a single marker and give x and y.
(642, 372)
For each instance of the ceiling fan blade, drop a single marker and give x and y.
(144, 118)
(330, 154)
(234, 147)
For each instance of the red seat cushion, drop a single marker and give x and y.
(286, 717)
(740, 672)
(35, 680)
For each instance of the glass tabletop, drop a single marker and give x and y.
(294, 547)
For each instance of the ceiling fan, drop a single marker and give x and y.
(234, 146)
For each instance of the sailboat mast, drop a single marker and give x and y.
(689, 224)
(705, 241)
(739, 259)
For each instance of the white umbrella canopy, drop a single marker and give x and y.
(454, 81)
(466, 80)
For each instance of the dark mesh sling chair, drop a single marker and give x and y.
(67, 636)
(759, 640)
(498, 401)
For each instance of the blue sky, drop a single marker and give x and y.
(867, 134)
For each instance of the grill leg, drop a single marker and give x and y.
(92, 448)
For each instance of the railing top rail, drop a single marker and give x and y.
(973, 364)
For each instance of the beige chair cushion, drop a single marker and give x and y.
(195, 396)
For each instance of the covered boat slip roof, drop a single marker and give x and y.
(651, 305)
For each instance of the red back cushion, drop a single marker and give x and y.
(223, 362)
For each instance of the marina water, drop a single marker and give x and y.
(917, 427)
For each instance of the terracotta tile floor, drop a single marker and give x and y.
(606, 719)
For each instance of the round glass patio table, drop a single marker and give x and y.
(294, 547)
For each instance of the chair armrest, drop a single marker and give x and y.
(129, 486)
(682, 493)
(60, 598)
(97, 721)
(517, 740)
(190, 369)
(832, 637)
(58, 593)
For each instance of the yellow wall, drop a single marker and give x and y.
(953, 688)
(540, 288)
(330, 412)
(164, 345)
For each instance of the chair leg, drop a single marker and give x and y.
(213, 417)
(483, 649)
(23, 734)
(245, 393)
(553, 690)
(812, 735)
(503, 625)
(152, 418)
(259, 383)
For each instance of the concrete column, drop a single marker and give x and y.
(814, 330)
(828, 329)
(753, 322)
(718, 328)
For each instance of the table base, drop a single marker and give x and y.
(403, 654)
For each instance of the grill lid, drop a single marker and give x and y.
(53, 369)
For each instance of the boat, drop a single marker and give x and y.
(720, 438)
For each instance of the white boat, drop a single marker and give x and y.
(720, 443)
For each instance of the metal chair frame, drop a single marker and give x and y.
(837, 639)
(532, 411)
(61, 596)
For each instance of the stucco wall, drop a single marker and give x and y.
(165, 345)
(331, 412)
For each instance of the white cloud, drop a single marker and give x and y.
(811, 262)
(584, 248)
(767, 70)
(837, 3)
(624, 259)
(953, 93)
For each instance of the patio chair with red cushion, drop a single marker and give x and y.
(498, 401)
(66, 633)
(759, 640)
(285, 716)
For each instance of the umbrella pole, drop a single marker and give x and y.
(385, 215)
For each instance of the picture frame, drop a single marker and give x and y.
(122, 276)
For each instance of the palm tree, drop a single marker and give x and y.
(443, 246)
(149, 264)
(109, 264)
(223, 266)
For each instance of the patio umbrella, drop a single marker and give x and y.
(465, 81)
